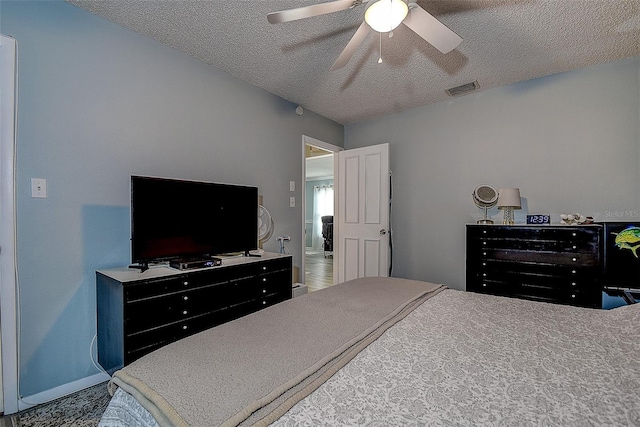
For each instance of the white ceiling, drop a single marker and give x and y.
(319, 167)
(505, 41)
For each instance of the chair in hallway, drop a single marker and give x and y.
(327, 234)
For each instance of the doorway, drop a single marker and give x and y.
(318, 213)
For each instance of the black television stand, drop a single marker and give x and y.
(140, 312)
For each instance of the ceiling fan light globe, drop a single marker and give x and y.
(385, 15)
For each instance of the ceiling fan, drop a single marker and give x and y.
(382, 16)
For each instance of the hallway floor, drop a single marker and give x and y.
(318, 270)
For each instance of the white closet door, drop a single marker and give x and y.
(8, 359)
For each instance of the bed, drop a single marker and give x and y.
(384, 351)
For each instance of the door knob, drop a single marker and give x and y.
(383, 232)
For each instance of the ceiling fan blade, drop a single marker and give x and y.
(309, 11)
(429, 28)
(350, 48)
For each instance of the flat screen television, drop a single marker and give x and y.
(180, 219)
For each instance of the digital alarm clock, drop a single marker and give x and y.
(538, 219)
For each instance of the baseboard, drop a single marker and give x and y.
(61, 391)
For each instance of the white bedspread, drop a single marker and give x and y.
(468, 359)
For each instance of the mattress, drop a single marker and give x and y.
(470, 359)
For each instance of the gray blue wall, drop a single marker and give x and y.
(570, 142)
(98, 103)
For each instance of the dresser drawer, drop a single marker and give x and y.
(542, 233)
(257, 268)
(535, 245)
(257, 286)
(274, 283)
(270, 299)
(537, 240)
(541, 291)
(275, 265)
(153, 288)
(554, 275)
(540, 257)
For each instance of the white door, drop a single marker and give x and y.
(8, 353)
(362, 248)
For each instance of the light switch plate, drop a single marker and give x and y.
(39, 188)
(292, 202)
(292, 186)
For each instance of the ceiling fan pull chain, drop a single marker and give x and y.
(380, 60)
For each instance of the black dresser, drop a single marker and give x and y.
(140, 312)
(559, 264)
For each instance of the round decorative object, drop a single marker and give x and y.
(265, 225)
(485, 197)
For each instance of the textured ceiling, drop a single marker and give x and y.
(505, 41)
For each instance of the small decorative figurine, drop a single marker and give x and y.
(575, 219)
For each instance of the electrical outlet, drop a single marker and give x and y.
(292, 202)
(292, 186)
(39, 188)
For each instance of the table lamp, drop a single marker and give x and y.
(508, 200)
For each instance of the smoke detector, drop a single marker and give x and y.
(463, 89)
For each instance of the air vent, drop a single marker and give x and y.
(463, 89)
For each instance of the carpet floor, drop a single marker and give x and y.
(81, 409)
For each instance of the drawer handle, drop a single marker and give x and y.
(484, 285)
(574, 259)
(484, 243)
(185, 312)
(264, 279)
(573, 272)
(574, 234)
(264, 303)
(184, 328)
(484, 253)
(484, 264)
(484, 274)
(574, 246)
(185, 298)
(484, 231)
(573, 295)
(264, 291)
(264, 268)
(186, 283)
(573, 283)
